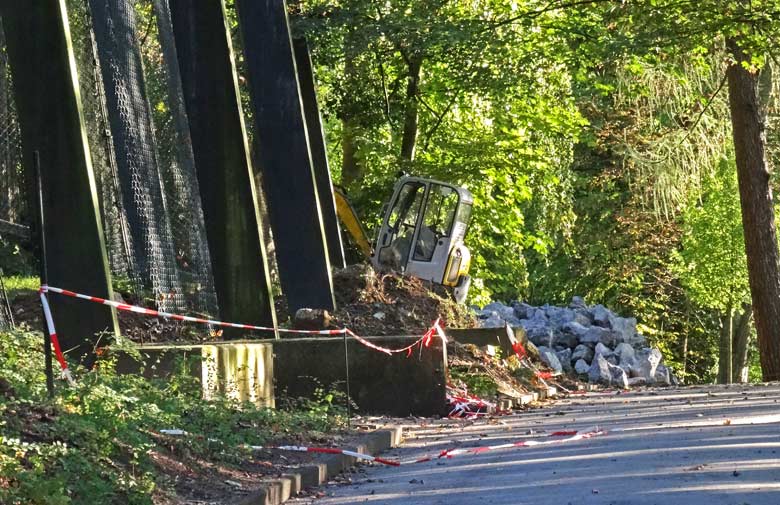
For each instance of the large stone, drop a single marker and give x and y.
(601, 316)
(582, 316)
(577, 302)
(581, 367)
(538, 330)
(603, 372)
(625, 353)
(662, 376)
(564, 339)
(603, 350)
(311, 319)
(583, 352)
(507, 313)
(551, 359)
(599, 372)
(487, 314)
(624, 328)
(564, 357)
(596, 334)
(493, 321)
(559, 316)
(646, 364)
(575, 328)
(618, 376)
(523, 310)
(636, 381)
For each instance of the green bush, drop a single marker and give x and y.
(92, 443)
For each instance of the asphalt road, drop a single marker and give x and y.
(697, 446)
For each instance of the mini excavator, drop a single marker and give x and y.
(422, 232)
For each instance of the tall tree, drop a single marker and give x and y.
(758, 217)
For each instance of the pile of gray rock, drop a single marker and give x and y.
(589, 341)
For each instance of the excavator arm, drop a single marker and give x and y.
(351, 222)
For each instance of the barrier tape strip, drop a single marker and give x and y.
(55, 341)
(329, 450)
(424, 341)
(465, 405)
(177, 317)
(572, 436)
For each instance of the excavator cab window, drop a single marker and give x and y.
(397, 240)
(437, 222)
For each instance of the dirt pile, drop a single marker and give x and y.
(379, 303)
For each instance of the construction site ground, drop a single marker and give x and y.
(716, 445)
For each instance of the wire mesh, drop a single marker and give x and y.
(140, 148)
(175, 155)
(13, 202)
(114, 218)
(130, 119)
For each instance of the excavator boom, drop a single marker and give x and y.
(351, 222)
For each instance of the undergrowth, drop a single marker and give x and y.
(93, 443)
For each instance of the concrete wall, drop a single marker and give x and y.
(261, 371)
(379, 384)
(243, 371)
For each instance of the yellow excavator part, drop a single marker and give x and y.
(351, 222)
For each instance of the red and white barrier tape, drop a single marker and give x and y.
(424, 341)
(177, 317)
(298, 448)
(330, 450)
(465, 405)
(55, 342)
(572, 436)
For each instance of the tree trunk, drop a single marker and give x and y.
(758, 219)
(351, 170)
(739, 369)
(724, 354)
(411, 114)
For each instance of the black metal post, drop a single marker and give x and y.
(51, 121)
(44, 271)
(284, 156)
(319, 154)
(231, 206)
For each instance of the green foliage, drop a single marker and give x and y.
(15, 260)
(476, 381)
(711, 262)
(494, 108)
(94, 443)
(17, 284)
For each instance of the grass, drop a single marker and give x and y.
(20, 284)
(95, 443)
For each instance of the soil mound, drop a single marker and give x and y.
(383, 303)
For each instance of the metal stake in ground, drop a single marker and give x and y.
(44, 272)
(349, 397)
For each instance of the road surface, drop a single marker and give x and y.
(689, 446)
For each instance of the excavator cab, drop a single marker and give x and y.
(422, 233)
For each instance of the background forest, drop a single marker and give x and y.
(595, 135)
